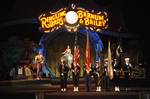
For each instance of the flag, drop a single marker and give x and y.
(110, 68)
(119, 55)
(76, 55)
(118, 51)
(76, 51)
(76, 58)
(88, 61)
(98, 52)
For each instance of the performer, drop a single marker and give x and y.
(69, 58)
(127, 68)
(63, 69)
(68, 50)
(96, 75)
(76, 74)
(39, 60)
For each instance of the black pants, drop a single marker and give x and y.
(76, 80)
(63, 80)
(87, 79)
(96, 79)
(106, 82)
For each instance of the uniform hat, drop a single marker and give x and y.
(106, 59)
(127, 58)
(97, 61)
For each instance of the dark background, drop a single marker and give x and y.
(131, 15)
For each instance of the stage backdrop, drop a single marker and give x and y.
(58, 44)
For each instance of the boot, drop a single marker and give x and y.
(99, 88)
(96, 88)
(77, 89)
(74, 89)
(65, 89)
(115, 88)
(62, 89)
(118, 88)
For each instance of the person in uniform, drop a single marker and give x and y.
(96, 75)
(76, 76)
(63, 69)
(39, 60)
(116, 74)
(105, 73)
(127, 68)
(87, 77)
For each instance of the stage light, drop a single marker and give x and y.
(71, 17)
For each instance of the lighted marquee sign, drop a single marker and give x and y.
(92, 21)
(72, 19)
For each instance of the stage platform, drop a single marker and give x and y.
(50, 89)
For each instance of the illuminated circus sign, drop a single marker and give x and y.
(72, 19)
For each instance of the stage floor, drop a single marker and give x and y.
(50, 88)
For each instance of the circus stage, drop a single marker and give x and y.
(46, 89)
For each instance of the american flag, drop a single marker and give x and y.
(88, 60)
(76, 55)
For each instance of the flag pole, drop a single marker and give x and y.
(110, 68)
